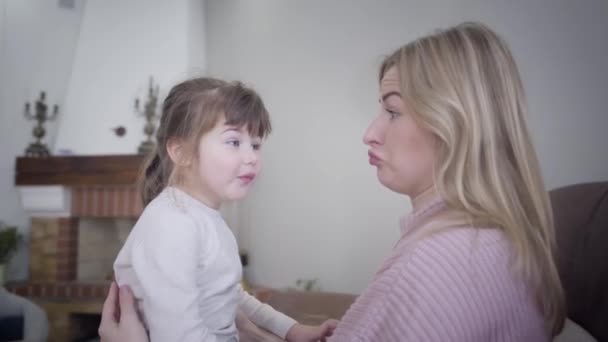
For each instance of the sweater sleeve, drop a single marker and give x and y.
(165, 260)
(263, 315)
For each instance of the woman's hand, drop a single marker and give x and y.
(119, 320)
(308, 333)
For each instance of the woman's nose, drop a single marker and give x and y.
(372, 133)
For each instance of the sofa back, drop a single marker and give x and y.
(581, 224)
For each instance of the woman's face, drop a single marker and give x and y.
(401, 150)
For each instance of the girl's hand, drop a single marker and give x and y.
(308, 333)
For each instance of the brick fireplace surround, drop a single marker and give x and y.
(61, 194)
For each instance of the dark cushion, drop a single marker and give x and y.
(581, 224)
(11, 328)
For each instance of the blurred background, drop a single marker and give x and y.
(317, 214)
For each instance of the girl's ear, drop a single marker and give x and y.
(176, 150)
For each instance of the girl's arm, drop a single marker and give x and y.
(263, 315)
(249, 332)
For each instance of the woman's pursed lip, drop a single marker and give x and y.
(373, 158)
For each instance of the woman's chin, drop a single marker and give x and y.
(389, 183)
(384, 179)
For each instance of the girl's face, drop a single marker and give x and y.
(227, 164)
(402, 151)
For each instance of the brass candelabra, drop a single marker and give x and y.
(150, 114)
(41, 115)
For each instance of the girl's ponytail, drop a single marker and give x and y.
(151, 178)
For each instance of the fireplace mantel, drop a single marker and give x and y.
(78, 170)
(79, 186)
(62, 195)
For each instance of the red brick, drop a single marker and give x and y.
(90, 291)
(76, 201)
(91, 202)
(34, 290)
(63, 244)
(61, 290)
(20, 290)
(99, 292)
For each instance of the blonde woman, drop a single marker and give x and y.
(475, 258)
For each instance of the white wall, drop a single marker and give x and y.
(563, 49)
(317, 210)
(197, 58)
(121, 44)
(37, 41)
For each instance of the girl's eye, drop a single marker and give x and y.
(256, 146)
(234, 143)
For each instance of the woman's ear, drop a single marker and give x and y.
(176, 150)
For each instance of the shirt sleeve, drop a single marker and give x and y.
(165, 260)
(263, 315)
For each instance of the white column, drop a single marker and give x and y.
(122, 43)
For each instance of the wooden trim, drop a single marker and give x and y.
(79, 170)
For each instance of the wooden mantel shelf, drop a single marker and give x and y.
(79, 170)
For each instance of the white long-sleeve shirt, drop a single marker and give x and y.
(181, 261)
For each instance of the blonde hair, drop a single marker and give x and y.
(464, 86)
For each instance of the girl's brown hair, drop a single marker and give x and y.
(192, 109)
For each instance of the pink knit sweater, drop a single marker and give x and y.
(453, 286)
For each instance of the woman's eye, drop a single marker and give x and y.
(392, 114)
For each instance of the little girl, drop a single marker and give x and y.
(181, 259)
